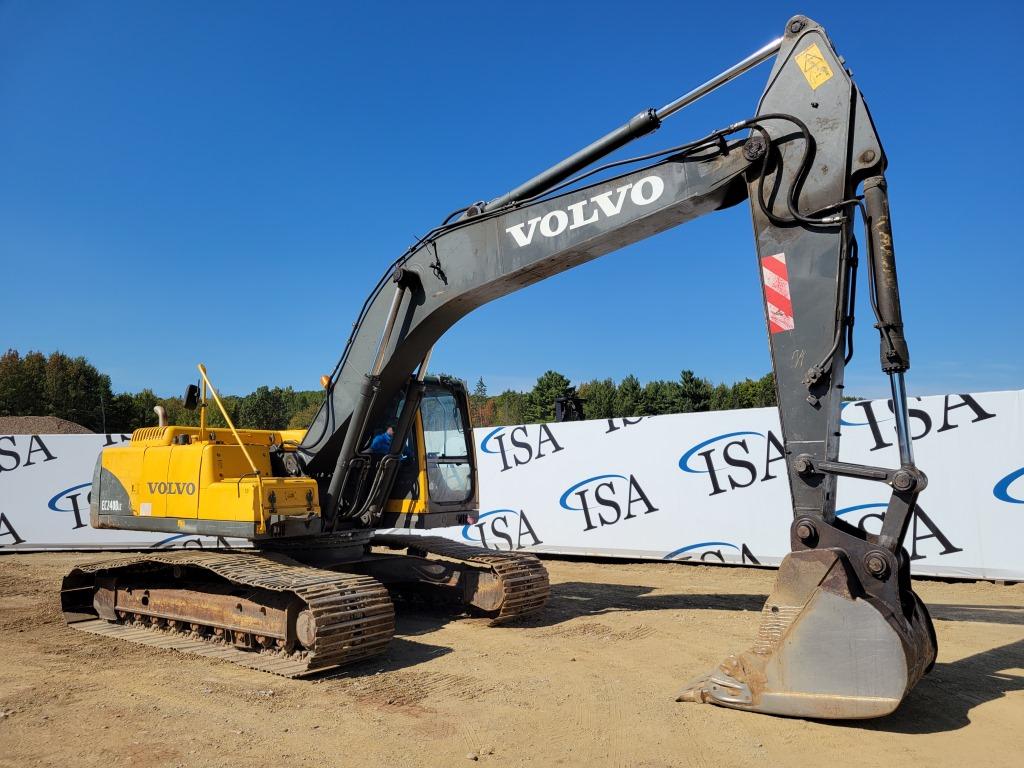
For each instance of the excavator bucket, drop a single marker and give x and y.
(825, 648)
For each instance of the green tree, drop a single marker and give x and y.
(550, 385)
(263, 409)
(660, 397)
(629, 398)
(745, 394)
(694, 393)
(179, 415)
(232, 404)
(128, 412)
(303, 401)
(21, 391)
(598, 398)
(69, 387)
(142, 408)
(766, 391)
(477, 403)
(511, 408)
(721, 398)
(301, 419)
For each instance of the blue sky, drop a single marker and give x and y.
(225, 182)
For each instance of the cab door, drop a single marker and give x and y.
(448, 447)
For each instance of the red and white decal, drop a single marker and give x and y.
(775, 277)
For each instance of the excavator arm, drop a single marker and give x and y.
(843, 635)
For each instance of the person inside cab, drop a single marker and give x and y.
(381, 444)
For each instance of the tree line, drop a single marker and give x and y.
(72, 388)
(605, 399)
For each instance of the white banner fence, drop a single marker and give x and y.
(700, 487)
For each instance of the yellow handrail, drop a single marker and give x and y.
(262, 528)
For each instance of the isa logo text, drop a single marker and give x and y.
(506, 529)
(607, 500)
(735, 460)
(517, 447)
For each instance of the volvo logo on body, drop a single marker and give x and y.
(172, 489)
(605, 205)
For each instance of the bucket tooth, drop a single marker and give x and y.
(824, 649)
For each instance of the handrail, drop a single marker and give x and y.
(262, 528)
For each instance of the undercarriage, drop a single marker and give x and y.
(299, 611)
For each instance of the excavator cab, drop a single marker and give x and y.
(435, 479)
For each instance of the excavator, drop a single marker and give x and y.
(842, 634)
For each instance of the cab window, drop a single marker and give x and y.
(446, 446)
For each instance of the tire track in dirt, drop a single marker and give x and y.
(408, 688)
(595, 631)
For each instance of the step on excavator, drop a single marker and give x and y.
(842, 634)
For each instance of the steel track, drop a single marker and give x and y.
(524, 580)
(353, 615)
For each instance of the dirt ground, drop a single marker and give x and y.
(590, 682)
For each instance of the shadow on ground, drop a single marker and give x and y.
(401, 654)
(576, 598)
(571, 599)
(944, 698)
(989, 614)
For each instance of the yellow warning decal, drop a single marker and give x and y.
(812, 63)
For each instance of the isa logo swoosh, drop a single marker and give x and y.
(701, 545)
(485, 444)
(1011, 488)
(60, 500)
(684, 460)
(563, 502)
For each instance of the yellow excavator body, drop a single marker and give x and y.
(232, 482)
(184, 475)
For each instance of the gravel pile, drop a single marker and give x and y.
(40, 425)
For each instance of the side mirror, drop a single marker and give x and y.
(192, 397)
